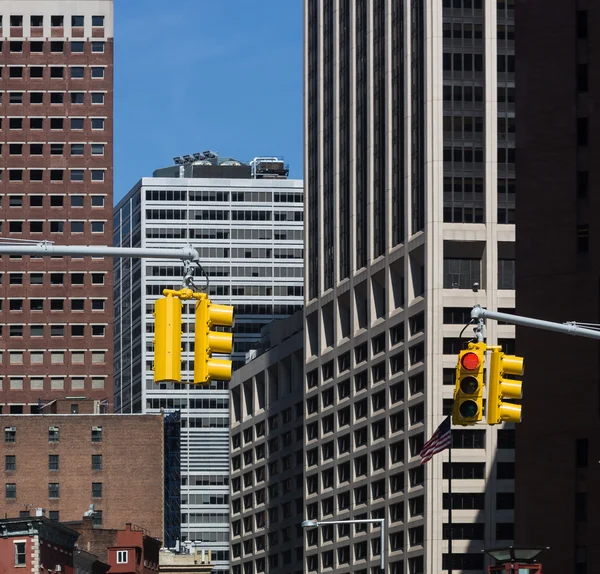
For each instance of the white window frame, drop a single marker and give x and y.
(122, 556)
(20, 545)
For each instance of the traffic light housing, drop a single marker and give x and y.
(207, 342)
(468, 390)
(500, 388)
(167, 339)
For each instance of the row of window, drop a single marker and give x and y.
(10, 460)
(77, 357)
(10, 436)
(57, 278)
(17, 331)
(464, 273)
(56, 72)
(75, 124)
(57, 383)
(56, 46)
(223, 215)
(53, 487)
(55, 304)
(55, 227)
(79, 98)
(209, 196)
(58, 21)
(55, 200)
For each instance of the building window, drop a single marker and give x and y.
(97, 519)
(10, 434)
(77, 21)
(97, 123)
(76, 71)
(10, 462)
(96, 462)
(97, 175)
(53, 462)
(77, 149)
(54, 515)
(53, 490)
(122, 556)
(96, 490)
(53, 434)
(97, 98)
(20, 554)
(97, 72)
(76, 123)
(461, 273)
(96, 434)
(76, 174)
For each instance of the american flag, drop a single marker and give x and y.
(441, 440)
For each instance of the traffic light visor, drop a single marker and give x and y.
(470, 361)
(512, 365)
(220, 315)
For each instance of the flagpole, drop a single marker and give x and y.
(450, 506)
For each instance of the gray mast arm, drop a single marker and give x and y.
(46, 248)
(478, 312)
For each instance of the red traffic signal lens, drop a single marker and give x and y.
(470, 361)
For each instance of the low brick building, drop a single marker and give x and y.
(130, 550)
(36, 545)
(64, 463)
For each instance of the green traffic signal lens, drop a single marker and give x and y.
(468, 409)
(469, 385)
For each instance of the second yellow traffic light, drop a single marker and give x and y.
(207, 342)
(468, 389)
(167, 339)
(499, 388)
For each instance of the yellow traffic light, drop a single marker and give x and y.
(468, 391)
(499, 388)
(207, 342)
(167, 339)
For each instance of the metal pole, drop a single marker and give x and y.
(479, 312)
(382, 550)
(44, 248)
(450, 506)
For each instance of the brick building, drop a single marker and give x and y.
(128, 551)
(64, 463)
(36, 545)
(56, 136)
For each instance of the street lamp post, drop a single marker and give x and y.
(381, 521)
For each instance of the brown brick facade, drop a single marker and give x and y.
(43, 196)
(131, 471)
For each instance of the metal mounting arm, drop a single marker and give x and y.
(187, 253)
(478, 312)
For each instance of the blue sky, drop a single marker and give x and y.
(193, 75)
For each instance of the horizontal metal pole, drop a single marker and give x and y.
(479, 312)
(187, 253)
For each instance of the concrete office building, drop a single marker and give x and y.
(56, 133)
(558, 253)
(409, 111)
(267, 431)
(246, 221)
